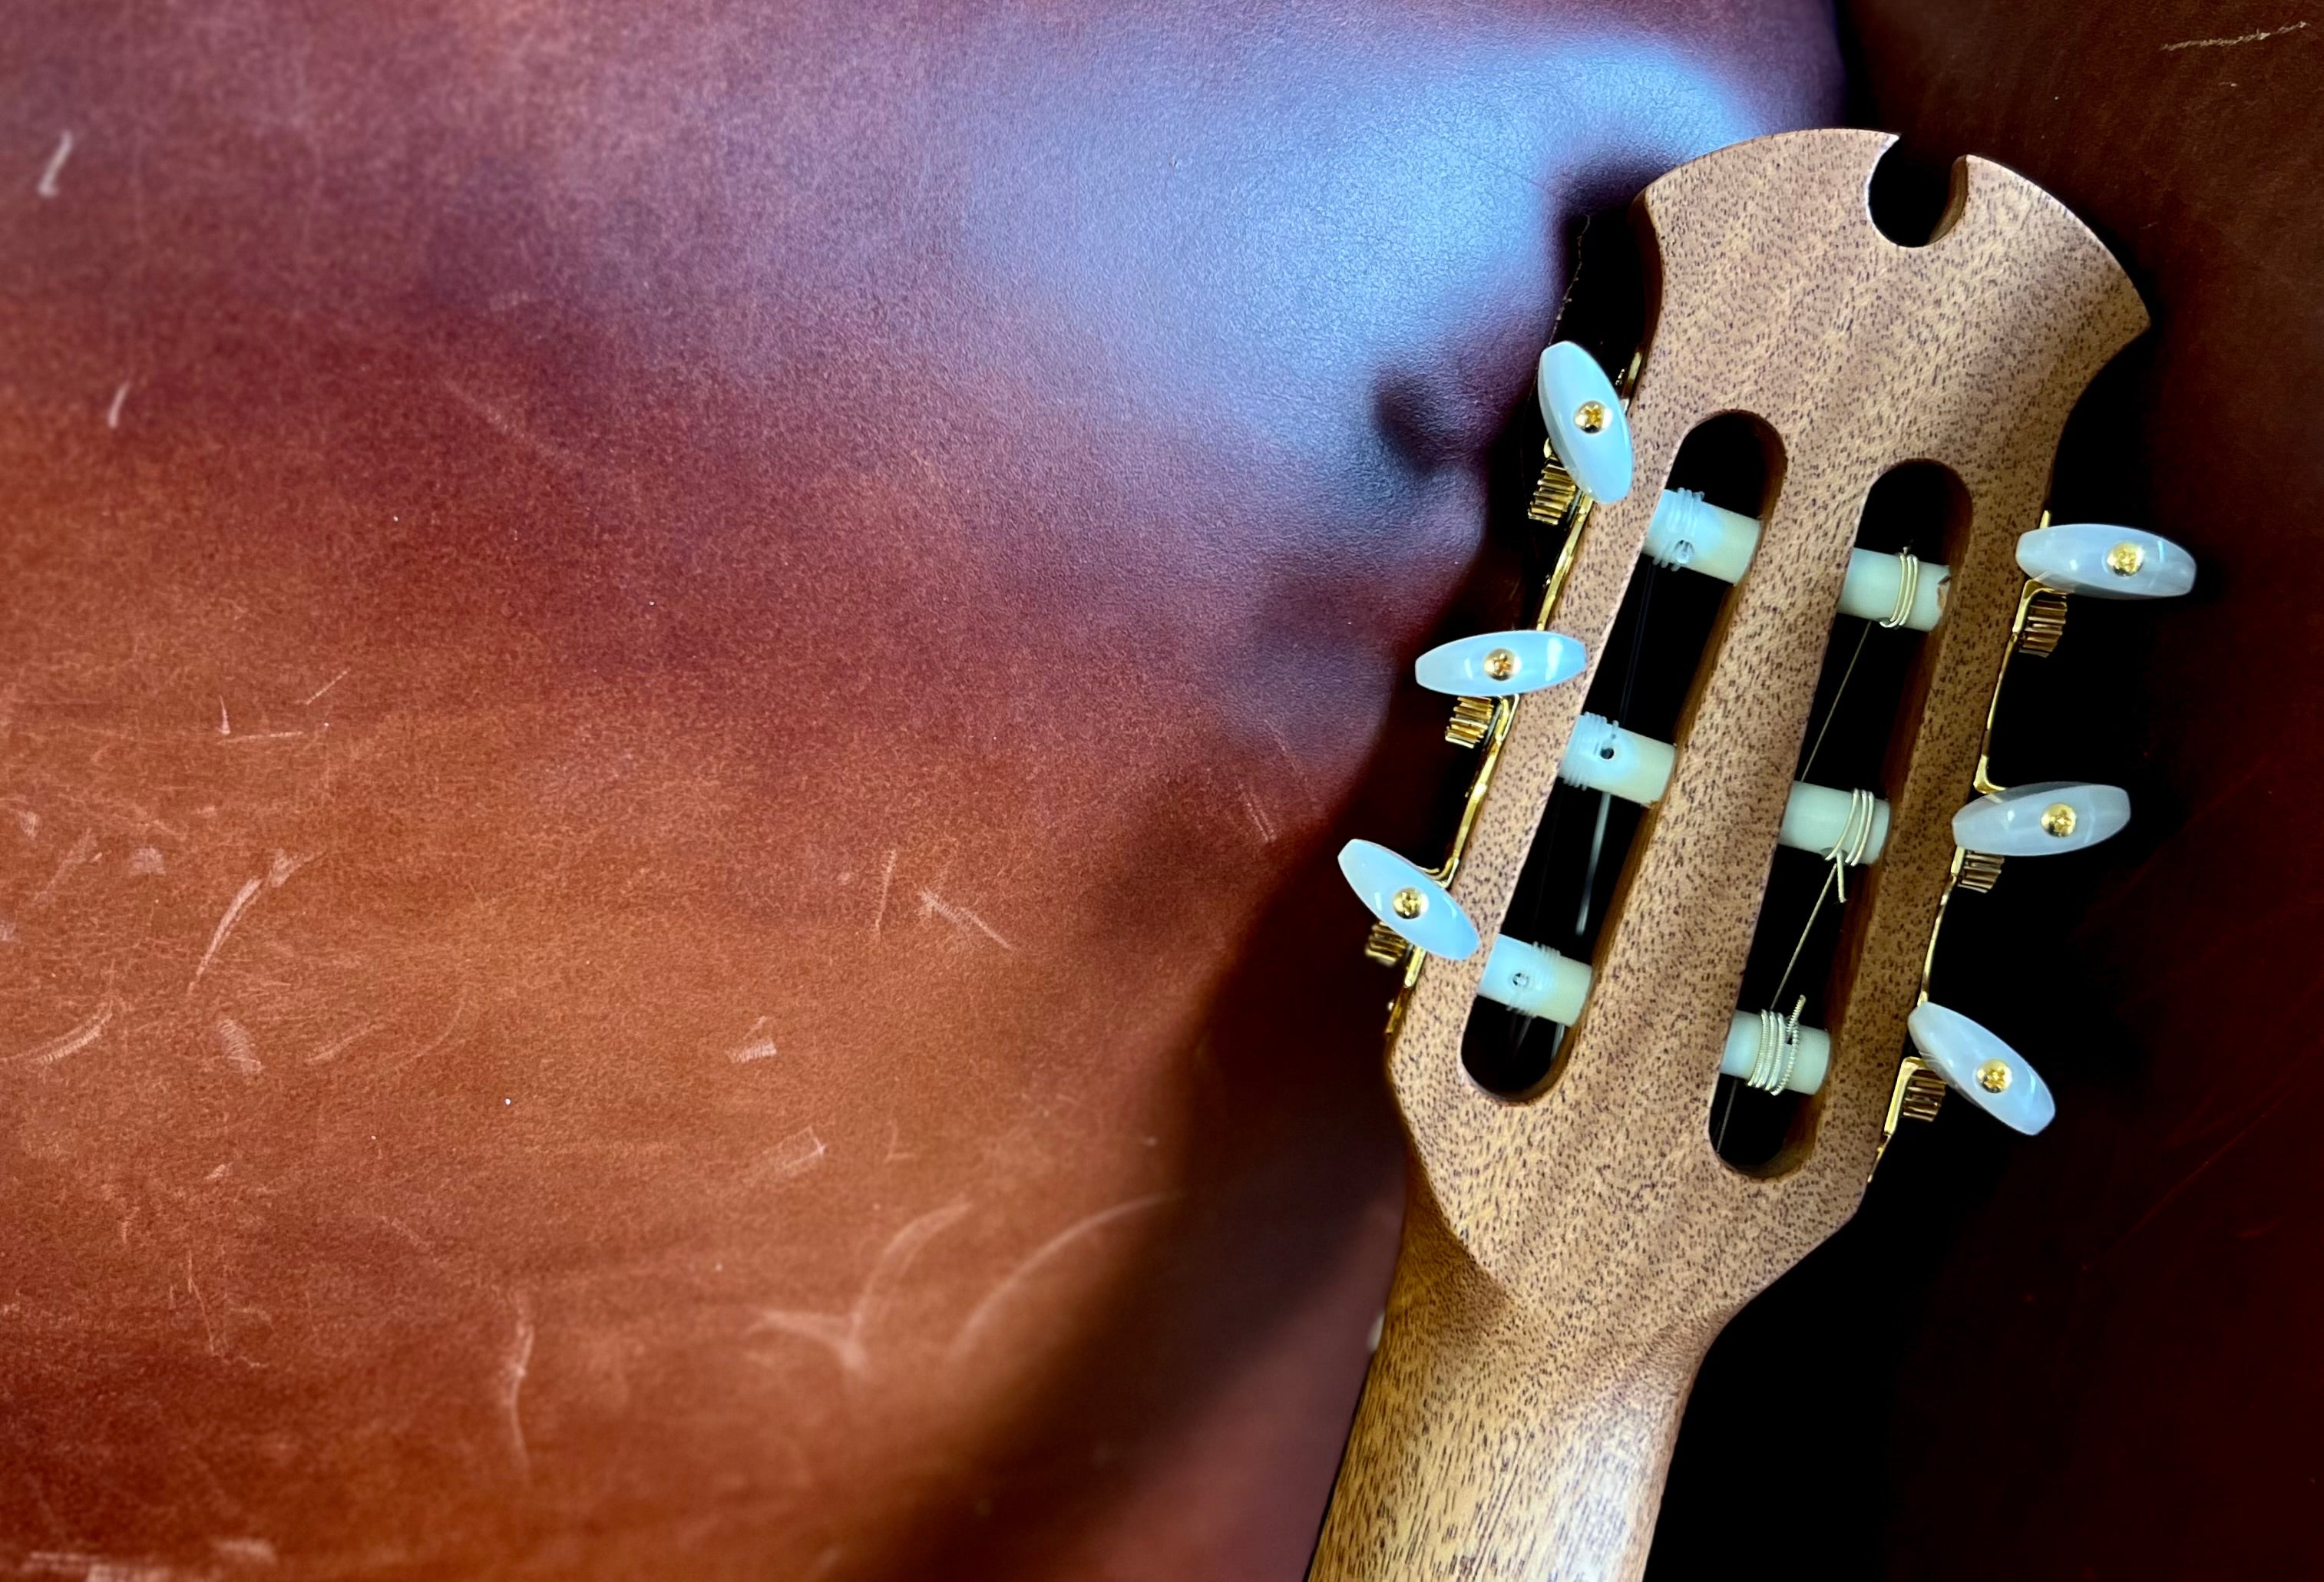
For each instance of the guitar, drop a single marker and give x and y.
(1573, 1244)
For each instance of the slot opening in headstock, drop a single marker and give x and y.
(1861, 714)
(1652, 657)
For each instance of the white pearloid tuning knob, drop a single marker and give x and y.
(1587, 427)
(2104, 562)
(1981, 1068)
(1406, 898)
(1601, 756)
(1499, 664)
(2033, 821)
(1689, 533)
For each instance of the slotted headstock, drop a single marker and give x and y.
(1589, 1229)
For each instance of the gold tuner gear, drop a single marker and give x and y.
(1385, 946)
(2045, 623)
(1472, 721)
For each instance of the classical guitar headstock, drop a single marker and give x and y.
(1598, 1194)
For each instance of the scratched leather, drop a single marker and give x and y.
(677, 687)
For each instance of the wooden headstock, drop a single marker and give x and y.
(1571, 1254)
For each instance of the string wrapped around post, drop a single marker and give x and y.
(1855, 835)
(1908, 591)
(1779, 1049)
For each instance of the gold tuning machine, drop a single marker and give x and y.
(1951, 1050)
(1472, 721)
(1588, 444)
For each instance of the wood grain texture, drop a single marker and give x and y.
(1568, 1259)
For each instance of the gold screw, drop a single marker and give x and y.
(2125, 559)
(2058, 819)
(1993, 1076)
(1500, 664)
(1590, 416)
(1408, 903)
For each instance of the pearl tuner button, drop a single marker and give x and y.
(1499, 664)
(1408, 900)
(1977, 1066)
(1587, 429)
(2105, 562)
(2039, 820)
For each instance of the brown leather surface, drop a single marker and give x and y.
(2094, 1355)
(675, 689)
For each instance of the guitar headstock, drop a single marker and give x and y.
(1597, 1196)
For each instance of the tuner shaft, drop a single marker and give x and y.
(1538, 983)
(1604, 757)
(1690, 533)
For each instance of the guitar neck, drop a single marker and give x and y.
(1497, 1439)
